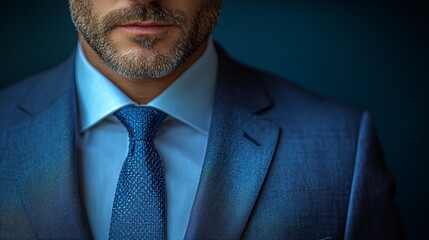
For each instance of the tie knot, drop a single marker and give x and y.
(142, 123)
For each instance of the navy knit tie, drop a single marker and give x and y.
(139, 206)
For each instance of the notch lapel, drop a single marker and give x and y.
(43, 147)
(240, 148)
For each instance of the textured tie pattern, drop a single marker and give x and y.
(139, 206)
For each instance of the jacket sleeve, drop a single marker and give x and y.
(372, 211)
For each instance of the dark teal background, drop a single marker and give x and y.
(370, 54)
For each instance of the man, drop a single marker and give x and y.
(150, 131)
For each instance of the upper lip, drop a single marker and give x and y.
(145, 24)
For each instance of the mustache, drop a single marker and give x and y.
(143, 12)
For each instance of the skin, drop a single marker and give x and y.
(143, 46)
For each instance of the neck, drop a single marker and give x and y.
(140, 90)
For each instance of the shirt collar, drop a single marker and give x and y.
(188, 99)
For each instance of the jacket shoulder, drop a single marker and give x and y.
(40, 86)
(295, 103)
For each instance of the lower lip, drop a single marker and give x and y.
(145, 30)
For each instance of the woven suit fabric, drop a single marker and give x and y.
(139, 205)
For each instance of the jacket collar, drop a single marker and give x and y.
(45, 152)
(49, 87)
(239, 152)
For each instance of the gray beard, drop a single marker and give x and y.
(144, 62)
(134, 65)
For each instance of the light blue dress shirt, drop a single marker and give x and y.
(181, 140)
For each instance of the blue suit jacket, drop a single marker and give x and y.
(281, 163)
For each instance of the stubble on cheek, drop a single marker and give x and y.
(151, 56)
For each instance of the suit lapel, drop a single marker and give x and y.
(44, 148)
(240, 148)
